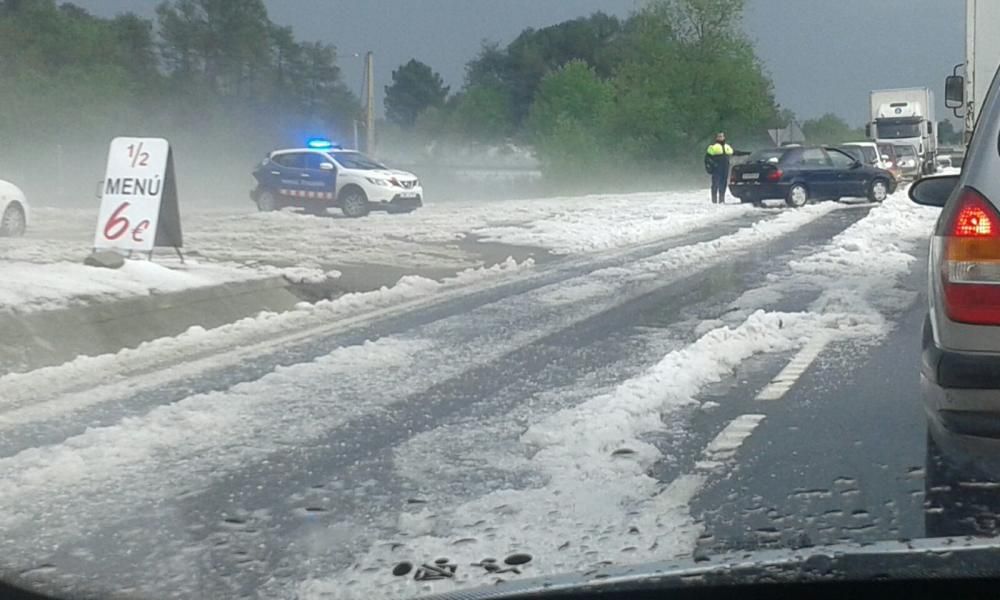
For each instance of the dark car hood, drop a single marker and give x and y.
(919, 559)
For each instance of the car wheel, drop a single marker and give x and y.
(878, 190)
(354, 203)
(266, 202)
(13, 223)
(798, 196)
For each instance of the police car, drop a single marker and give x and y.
(13, 210)
(323, 175)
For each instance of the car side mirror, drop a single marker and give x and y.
(326, 166)
(886, 158)
(856, 164)
(954, 91)
(933, 190)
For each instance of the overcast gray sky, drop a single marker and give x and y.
(823, 55)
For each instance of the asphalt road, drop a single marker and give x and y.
(839, 456)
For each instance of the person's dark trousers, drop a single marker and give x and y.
(719, 187)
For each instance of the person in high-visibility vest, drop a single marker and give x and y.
(717, 165)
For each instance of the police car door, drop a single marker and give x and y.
(319, 178)
(287, 172)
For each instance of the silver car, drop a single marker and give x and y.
(961, 341)
(908, 161)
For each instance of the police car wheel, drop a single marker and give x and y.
(13, 223)
(354, 203)
(266, 202)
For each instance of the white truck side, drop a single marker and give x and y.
(982, 58)
(905, 117)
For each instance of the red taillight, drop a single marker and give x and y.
(974, 219)
(774, 175)
(970, 261)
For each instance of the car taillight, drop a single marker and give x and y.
(970, 265)
(774, 175)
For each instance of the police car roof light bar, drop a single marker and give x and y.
(320, 144)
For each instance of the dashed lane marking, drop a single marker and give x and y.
(784, 381)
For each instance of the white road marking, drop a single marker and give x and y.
(724, 446)
(681, 492)
(729, 440)
(784, 381)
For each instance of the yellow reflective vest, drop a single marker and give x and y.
(717, 158)
(719, 149)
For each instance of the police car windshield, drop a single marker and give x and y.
(356, 160)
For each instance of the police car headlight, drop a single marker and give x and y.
(379, 182)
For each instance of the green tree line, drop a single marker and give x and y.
(601, 91)
(217, 77)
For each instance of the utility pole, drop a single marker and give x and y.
(369, 103)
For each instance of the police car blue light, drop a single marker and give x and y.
(321, 144)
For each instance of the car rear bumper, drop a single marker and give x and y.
(759, 191)
(961, 390)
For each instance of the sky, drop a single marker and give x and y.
(823, 55)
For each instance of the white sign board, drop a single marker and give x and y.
(131, 193)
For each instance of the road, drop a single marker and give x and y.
(712, 391)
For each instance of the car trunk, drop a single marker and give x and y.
(754, 172)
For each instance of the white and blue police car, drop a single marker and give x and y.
(323, 175)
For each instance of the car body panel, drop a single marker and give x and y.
(749, 572)
(961, 364)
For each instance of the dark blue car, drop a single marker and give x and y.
(800, 174)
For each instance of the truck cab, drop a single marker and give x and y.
(905, 117)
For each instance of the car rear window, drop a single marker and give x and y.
(772, 155)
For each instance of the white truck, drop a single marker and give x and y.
(905, 117)
(965, 95)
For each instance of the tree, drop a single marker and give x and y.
(482, 113)
(415, 88)
(829, 129)
(685, 73)
(568, 117)
(520, 67)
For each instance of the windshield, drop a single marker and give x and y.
(893, 130)
(356, 160)
(241, 358)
